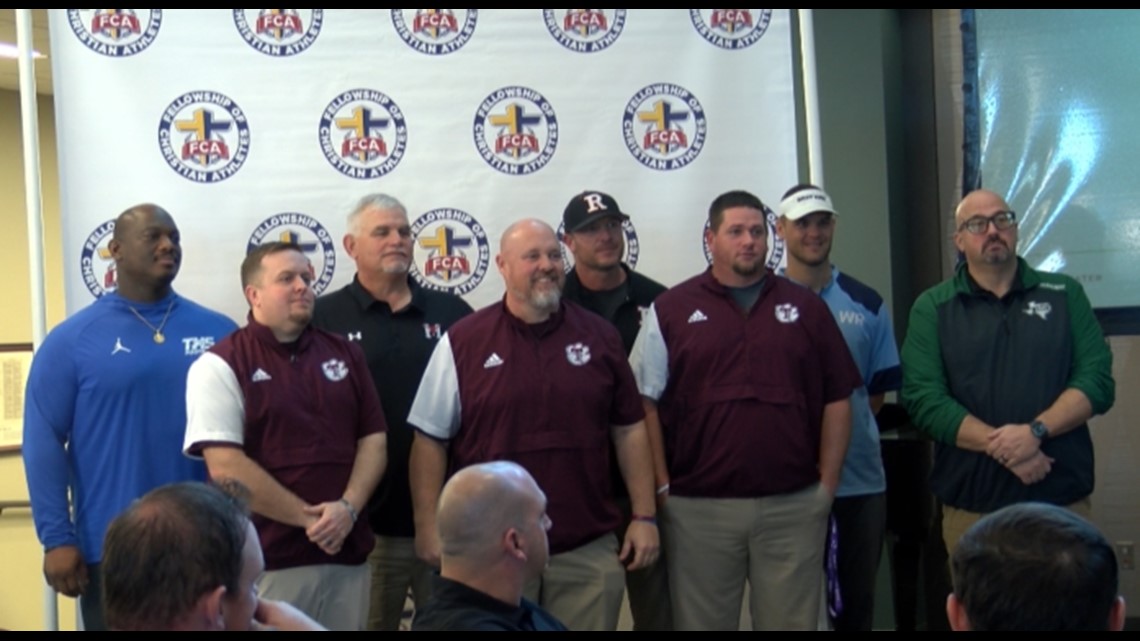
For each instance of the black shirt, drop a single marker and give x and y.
(455, 606)
(397, 345)
(640, 292)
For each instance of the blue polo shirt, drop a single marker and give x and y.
(866, 326)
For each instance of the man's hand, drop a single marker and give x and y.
(1012, 444)
(278, 615)
(333, 525)
(427, 545)
(65, 570)
(1033, 470)
(641, 547)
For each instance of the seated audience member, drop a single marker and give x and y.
(1034, 566)
(492, 526)
(185, 557)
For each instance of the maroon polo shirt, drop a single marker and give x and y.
(742, 409)
(547, 397)
(307, 403)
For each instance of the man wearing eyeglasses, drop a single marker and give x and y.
(1003, 366)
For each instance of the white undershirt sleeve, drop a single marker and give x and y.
(215, 405)
(436, 409)
(649, 359)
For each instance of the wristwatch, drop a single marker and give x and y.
(1038, 429)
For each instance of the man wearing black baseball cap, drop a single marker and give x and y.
(594, 232)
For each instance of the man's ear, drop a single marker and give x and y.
(209, 610)
(512, 543)
(956, 614)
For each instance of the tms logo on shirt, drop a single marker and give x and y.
(197, 345)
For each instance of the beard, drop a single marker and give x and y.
(546, 300)
(748, 269)
(397, 267)
(999, 256)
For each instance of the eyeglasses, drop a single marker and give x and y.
(979, 225)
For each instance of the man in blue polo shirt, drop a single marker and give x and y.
(807, 225)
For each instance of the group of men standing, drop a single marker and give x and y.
(718, 424)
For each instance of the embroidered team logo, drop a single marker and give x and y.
(451, 251)
(432, 331)
(516, 130)
(776, 246)
(335, 370)
(664, 126)
(787, 313)
(436, 32)
(309, 234)
(363, 134)
(632, 246)
(1040, 310)
(115, 32)
(279, 32)
(585, 30)
(731, 28)
(197, 345)
(578, 354)
(204, 136)
(95, 262)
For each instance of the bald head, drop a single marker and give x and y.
(522, 231)
(480, 503)
(530, 261)
(981, 202)
(138, 215)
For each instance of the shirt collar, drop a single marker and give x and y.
(783, 271)
(365, 299)
(264, 335)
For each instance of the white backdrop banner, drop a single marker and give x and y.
(250, 125)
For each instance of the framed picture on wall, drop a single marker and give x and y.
(15, 362)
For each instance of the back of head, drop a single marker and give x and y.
(482, 503)
(167, 550)
(1033, 566)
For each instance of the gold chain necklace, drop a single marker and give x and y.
(158, 337)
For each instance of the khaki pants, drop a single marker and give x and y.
(395, 568)
(955, 522)
(775, 543)
(583, 588)
(336, 596)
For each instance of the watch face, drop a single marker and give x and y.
(1038, 429)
